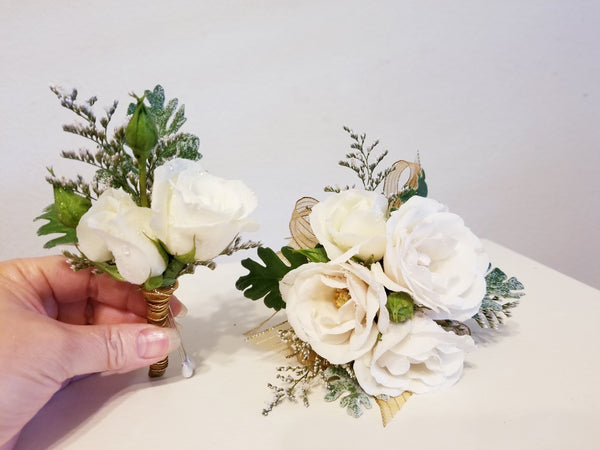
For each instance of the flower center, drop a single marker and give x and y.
(341, 297)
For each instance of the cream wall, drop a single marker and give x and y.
(501, 99)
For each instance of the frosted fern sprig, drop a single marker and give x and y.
(169, 117)
(360, 162)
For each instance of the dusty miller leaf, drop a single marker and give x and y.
(339, 382)
(496, 305)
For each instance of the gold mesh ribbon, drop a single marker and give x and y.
(157, 313)
(389, 408)
(391, 184)
(302, 234)
(269, 339)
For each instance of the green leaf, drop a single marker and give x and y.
(189, 257)
(178, 120)
(317, 254)
(500, 286)
(109, 268)
(263, 280)
(180, 145)
(172, 272)
(156, 98)
(339, 381)
(69, 206)
(153, 283)
(409, 192)
(55, 226)
(69, 238)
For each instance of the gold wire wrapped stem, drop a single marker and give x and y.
(157, 313)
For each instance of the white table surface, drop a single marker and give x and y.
(534, 384)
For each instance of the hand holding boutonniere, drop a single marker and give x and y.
(151, 213)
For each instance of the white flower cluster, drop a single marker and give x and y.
(339, 307)
(191, 210)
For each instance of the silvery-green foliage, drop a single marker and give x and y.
(502, 295)
(340, 381)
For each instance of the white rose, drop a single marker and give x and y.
(417, 356)
(115, 227)
(195, 208)
(333, 308)
(351, 219)
(437, 258)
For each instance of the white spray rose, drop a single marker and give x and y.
(350, 219)
(437, 258)
(196, 209)
(333, 308)
(416, 356)
(115, 227)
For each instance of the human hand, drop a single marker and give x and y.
(57, 324)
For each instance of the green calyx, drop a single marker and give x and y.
(141, 133)
(400, 306)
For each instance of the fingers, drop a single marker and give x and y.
(52, 287)
(51, 282)
(116, 347)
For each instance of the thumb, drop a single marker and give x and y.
(117, 347)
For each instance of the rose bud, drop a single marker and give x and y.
(141, 133)
(401, 306)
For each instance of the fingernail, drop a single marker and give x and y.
(157, 342)
(182, 312)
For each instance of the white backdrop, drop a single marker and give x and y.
(501, 99)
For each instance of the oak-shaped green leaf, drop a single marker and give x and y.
(263, 280)
(55, 226)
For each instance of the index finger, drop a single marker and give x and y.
(50, 283)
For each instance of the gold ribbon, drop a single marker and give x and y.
(302, 233)
(157, 313)
(269, 338)
(390, 407)
(391, 184)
